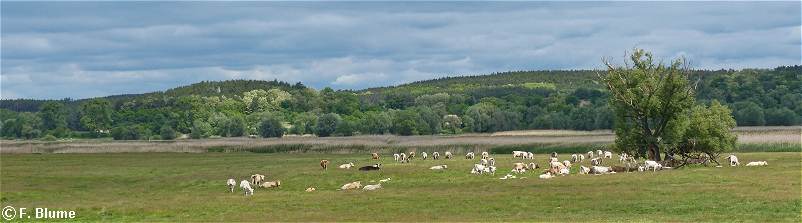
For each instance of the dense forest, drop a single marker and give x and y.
(452, 105)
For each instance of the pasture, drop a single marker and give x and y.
(191, 187)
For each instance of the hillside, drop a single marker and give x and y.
(506, 101)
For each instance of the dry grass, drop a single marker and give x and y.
(481, 142)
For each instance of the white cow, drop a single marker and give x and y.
(490, 169)
(575, 158)
(469, 155)
(519, 168)
(347, 166)
(600, 152)
(231, 183)
(483, 161)
(485, 155)
(733, 160)
(449, 155)
(567, 163)
(584, 170)
(372, 187)
(439, 167)
(758, 163)
(530, 155)
(653, 164)
(396, 157)
(478, 169)
(516, 154)
(435, 155)
(600, 170)
(608, 155)
(590, 154)
(424, 155)
(546, 175)
(581, 157)
(491, 161)
(246, 187)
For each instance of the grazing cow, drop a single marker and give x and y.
(554, 154)
(371, 167)
(516, 154)
(396, 157)
(565, 171)
(469, 156)
(439, 167)
(324, 164)
(246, 187)
(596, 161)
(530, 155)
(758, 163)
(483, 162)
(590, 154)
(567, 163)
(641, 169)
(485, 155)
(448, 155)
(372, 187)
(584, 170)
(347, 166)
(352, 185)
(581, 157)
(411, 155)
(231, 183)
(533, 166)
(257, 179)
(519, 168)
(374, 156)
(623, 157)
(733, 160)
(574, 158)
(424, 155)
(435, 155)
(491, 161)
(608, 155)
(477, 169)
(653, 164)
(404, 158)
(270, 184)
(600, 152)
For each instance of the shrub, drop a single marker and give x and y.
(49, 138)
(167, 132)
(271, 127)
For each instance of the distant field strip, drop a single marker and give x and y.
(788, 138)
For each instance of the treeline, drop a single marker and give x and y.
(490, 103)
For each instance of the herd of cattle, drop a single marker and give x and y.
(487, 165)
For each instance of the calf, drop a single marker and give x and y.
(469, 155)
(608, 155)
(352, 185)
(439, 167)
(270, 184)
(518, 167)
(347, 166)
(231, 183)
(374, 156)
(653, 164)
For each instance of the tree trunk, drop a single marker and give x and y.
(654, 152)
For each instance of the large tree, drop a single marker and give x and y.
(647, 99)
(96, 114)
(53, 115)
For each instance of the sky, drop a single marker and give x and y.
(91, 49)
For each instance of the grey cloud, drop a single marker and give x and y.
(96, 49)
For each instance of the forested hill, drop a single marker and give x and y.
(486, 103)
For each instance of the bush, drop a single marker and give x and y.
(327, 124)
(167, 133)
(271, 127)
(200, 129)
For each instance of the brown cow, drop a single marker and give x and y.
(411, 155)
(324, 164)
(375, 156)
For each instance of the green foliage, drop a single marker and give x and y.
(167, 133)
(200, 129)
(327, 124)
(648, 99)
(96, 115)
(134, 132)
(709, 132)
(490, 103)
(53, 115)
(271, 127)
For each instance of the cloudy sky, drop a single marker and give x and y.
(80, 50)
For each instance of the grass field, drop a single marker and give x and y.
(191, 187)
